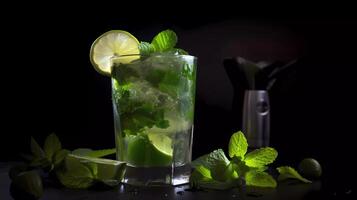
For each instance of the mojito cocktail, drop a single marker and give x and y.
(153, 94)
(153, 101)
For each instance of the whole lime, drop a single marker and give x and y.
(16, 170)
(310, 168)
(27, 185)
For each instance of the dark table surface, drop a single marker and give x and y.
(283, 191)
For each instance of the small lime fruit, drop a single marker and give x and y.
(310, 168)
(27, 185)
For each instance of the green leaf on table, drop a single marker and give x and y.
(261, 157)
(286, 172)
(259, 179)
(93, 153)
(36, 150)
(217, 163)
(164, 41)
(202, 160)
(212, 159)
(237, 145)
(52, 145)
(75, 174)
(60, 156)
(201, 178)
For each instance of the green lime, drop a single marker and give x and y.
(112, 44)
(27, 185)
(16, 170)
(162, 143)
(106, 169)
(150, 150)
(310, 168)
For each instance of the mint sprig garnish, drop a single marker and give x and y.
(165, 41)
(237, 145)
(52, 145)
(216, 171)
(80, 168)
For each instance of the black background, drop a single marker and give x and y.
(50, 86)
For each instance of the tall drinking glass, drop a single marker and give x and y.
(153, 101)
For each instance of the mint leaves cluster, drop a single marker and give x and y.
(216, 171)
(50, 156)
(165, 41)
(80, 168)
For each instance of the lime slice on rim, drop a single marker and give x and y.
(112, 44)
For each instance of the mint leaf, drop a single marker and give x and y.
(223, 172)
(75, 174)
(36, 150)
(259, 179)
(93, 153)
(217, 157)
(211, 160)
(146, 48)
(164, 41)
(52, 145)
(201, 172)
(240, 167)
(261, 157)
(286, 172)
(60, 156)
(217, 163)
(201, 178)
(237, 145)
(202, 160)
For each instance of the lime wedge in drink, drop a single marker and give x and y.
(112, 44)
(106, 169)
(161, 142)
(150, 150)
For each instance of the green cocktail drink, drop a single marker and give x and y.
(153, 101)
(153, 93)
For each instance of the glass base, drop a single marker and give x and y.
(157, 176)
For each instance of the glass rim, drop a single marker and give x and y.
(155, 55)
